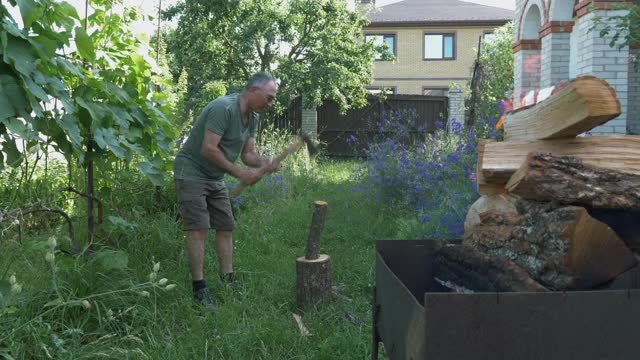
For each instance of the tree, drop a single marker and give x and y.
(314, 48)
(495, 72)
(96, 103)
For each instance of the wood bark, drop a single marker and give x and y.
(466, 266)
(561, 247)
(313, 281)
(315, 232)
(567, 180)
(578, 106)
(500, 160)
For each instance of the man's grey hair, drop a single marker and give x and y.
(259, 80)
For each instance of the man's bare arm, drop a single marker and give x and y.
(251, 158)
(212, 152)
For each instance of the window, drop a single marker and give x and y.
(379, 39)
(435, 91)
(488, 35)
(388, 90)
(439, 46)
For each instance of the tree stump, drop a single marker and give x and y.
(313, 271)
(313, 281)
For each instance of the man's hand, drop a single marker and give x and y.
(250, 176)
(271, 165)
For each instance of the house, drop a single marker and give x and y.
(434, 43)
(554, 43)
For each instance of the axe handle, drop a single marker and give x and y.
(293, 147)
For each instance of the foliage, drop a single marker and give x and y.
(624, 29)
(433, 174)
(253, 321)
(314, 48)
(102, 93)
(64, 306)
(496, 63)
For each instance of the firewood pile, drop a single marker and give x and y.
(558, 211)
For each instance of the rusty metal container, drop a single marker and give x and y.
(416, 318)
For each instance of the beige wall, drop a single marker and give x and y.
(410, 73)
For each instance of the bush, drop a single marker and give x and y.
(430, 170)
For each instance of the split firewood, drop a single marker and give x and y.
(498, 161)
(568, 180)
(561, 247)
(485, 187)
(466, 266)
(301, 328)
(579, 106)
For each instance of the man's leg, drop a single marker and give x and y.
(224, 250)
(195, 253)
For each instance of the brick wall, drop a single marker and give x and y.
(633, 113)
(554, 67)
(596, 57)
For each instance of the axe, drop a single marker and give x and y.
(297, 144)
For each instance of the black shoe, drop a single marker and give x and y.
(203, 298)
(230, 281)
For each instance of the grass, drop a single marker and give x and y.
(254, 321)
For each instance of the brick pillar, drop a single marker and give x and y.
(310, 122)
(595, 57)
(554, 66)
(527, 73)
(456, 103)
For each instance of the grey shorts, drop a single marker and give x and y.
(204, 205)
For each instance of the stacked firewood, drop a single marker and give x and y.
(558, 211)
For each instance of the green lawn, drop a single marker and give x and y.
(254, 321)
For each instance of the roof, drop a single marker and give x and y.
(438, 12)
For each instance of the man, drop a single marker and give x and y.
(225, 129)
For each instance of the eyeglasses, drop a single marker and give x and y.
(269, 97)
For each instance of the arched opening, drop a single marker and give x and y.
(531, 23)
(528, 59)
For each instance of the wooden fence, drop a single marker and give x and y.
(335, 130)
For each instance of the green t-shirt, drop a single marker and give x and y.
(223, 117)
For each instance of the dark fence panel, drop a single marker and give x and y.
(336, 130)
(291, 119)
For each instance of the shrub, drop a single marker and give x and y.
(430, 170)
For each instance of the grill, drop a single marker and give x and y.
(416, 318)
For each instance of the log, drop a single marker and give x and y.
(466, 266)
(500, 160)
(567, 180)
(579, 106)
(625, 223)
(561, 247)
(315, 232)
(483, 186)
(313, 281)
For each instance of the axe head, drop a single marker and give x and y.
(311, 148)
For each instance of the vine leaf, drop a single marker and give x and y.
(84, 44)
